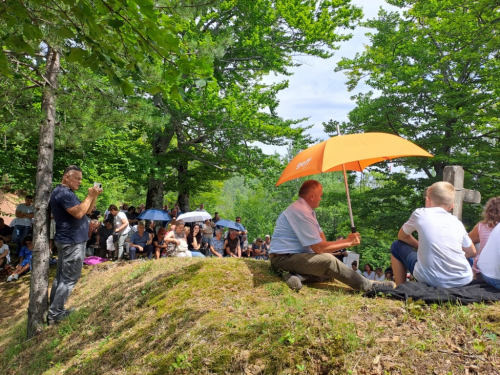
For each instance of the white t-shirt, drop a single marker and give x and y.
(110, 246)
(441, 237)
(3, 249)
(489, 262)
(370, 276)
(381, 278)
(118, 223)
(25, 210)
(358, 271)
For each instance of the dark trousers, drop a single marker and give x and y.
(148, 249)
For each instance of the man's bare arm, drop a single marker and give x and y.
(86, 206)
(470, 251)
(332, 246)
(408, 238)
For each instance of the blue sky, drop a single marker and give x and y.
(316, 91)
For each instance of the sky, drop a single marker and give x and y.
(316, 91)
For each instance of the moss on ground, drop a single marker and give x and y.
(191, 316)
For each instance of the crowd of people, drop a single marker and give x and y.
(118, 233)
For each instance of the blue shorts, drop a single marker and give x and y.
(405, 254)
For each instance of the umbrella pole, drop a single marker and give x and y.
(353, 228)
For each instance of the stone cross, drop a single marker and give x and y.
(454, 174)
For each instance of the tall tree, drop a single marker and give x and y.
(434, 67)
(252, 38)
(113, 37)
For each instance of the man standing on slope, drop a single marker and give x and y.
(299, 246)
(72, 233)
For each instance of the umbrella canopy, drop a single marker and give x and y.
(155, 215)
(354, 151)
(231, 225)
(194, 216)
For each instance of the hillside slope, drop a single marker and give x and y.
(190, 316)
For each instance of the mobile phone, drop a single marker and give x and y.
(98, 184)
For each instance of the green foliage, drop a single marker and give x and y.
(434, 66)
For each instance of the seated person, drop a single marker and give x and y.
(194, 241)
(176, 241)
(217, 244)
(258, 248)
(379, 274)
(140, 242)
(25, 255)
(299, 246)
(369, 272)
(160, 244)
(354, 266)
(4, 253)
(103, 234)
(232, 244)
(5, 232)
(489, 263)
(443, 243)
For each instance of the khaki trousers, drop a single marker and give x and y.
(320, 267)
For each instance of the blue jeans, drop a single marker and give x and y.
(18, 235)
(493, 282)
(195, 254)
(405, 254)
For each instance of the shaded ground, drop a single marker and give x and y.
(189, 316)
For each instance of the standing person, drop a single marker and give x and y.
(121, 229)
(241, 234)
(24, 215)
(299, 246)
(72, 228)
(208, 231)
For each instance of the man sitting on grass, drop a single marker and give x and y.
(299, 246)
(443, 243)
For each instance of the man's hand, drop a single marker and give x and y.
(94, 191)
(140, 248)
(355, 238)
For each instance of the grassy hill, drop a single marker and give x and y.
(190, 316)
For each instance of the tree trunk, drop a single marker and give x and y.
(38, 303)
(154, 197)
(183, 182)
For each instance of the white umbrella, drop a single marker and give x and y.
(194, 216)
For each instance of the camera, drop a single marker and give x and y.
(98, 184)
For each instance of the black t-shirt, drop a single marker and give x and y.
(69, 229)
(104, 233)
(5, 231)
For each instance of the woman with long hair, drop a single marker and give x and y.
(369, 273)
(194, 240)
(482, 230)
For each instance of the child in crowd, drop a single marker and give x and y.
(443, 243)
(354, 266)
(483, 229)
(4, 253)
(25, 261)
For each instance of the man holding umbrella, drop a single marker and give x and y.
(299, 246)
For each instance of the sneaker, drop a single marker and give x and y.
(16, 276)
(10, 278)
(292, 281)
(63, 316)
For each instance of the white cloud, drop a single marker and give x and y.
(316, 91)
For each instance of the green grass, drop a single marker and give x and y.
(189, 316)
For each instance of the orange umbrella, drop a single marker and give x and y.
(352, 152)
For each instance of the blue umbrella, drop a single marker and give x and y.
(231, 225)
(155, 215)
